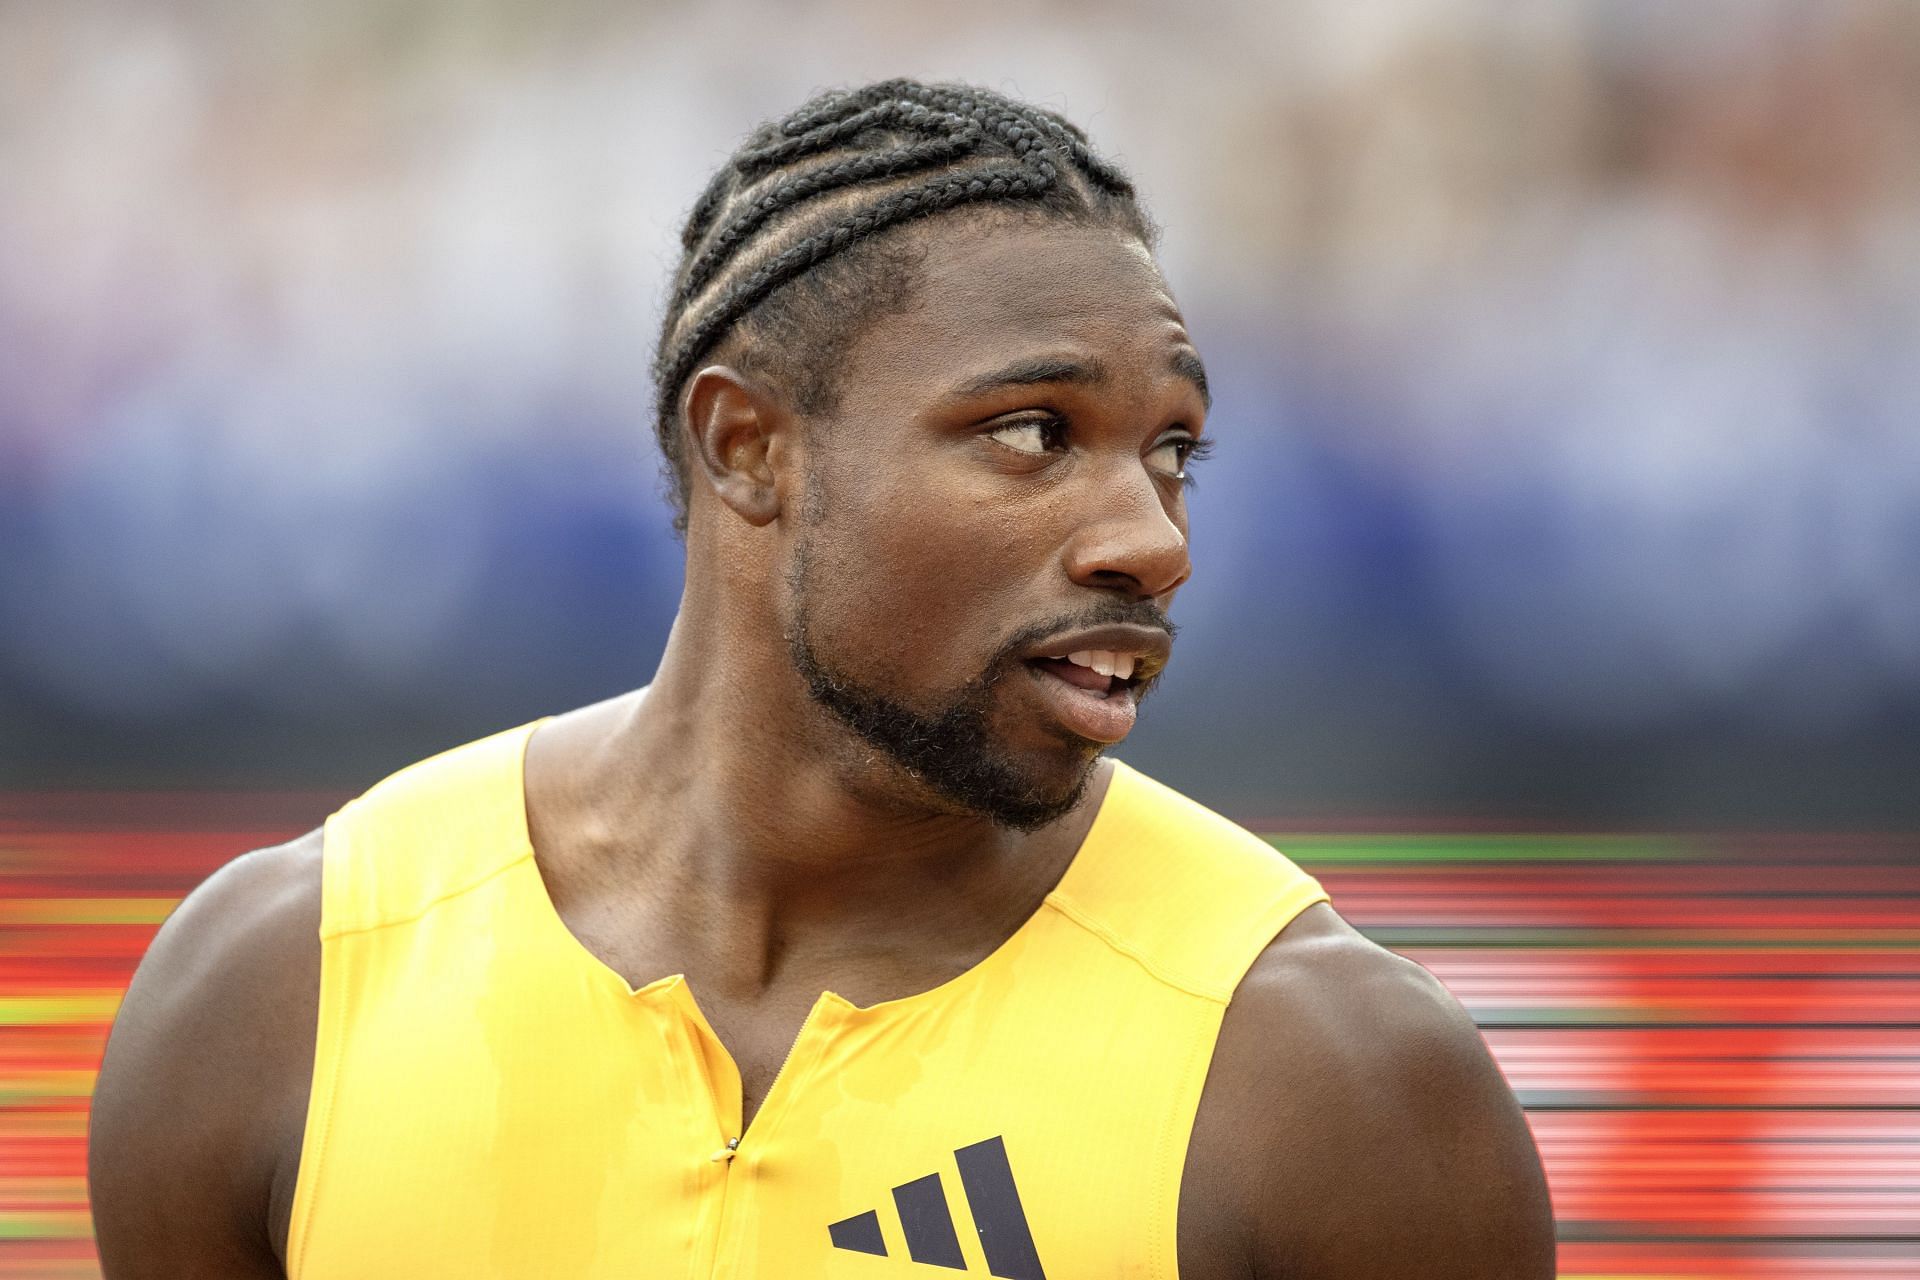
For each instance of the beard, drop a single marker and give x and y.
(952, 750)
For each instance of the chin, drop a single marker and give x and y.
(967, 751)
(1023, 793)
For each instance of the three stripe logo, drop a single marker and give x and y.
(986, 1178)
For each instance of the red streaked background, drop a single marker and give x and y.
(1717, 1039)
(1568, 481)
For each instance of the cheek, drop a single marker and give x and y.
(928, 581)
(967, 543)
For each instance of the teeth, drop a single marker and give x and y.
(1105, 662)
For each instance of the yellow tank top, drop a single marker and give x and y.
(490, 1099)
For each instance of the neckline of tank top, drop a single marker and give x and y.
(1097, 838)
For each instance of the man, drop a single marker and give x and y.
(838, 950)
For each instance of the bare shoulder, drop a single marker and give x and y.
(1354, 1124)
(197, 1117)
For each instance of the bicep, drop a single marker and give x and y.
(189, 1112)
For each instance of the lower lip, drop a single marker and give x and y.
(1107, 718)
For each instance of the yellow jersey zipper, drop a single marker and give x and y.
(725, 1226)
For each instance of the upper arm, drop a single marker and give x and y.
(1370, 1130)
(194, 1136)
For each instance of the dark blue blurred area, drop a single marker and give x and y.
(1568, 466)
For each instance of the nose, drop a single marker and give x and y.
(1131, 540)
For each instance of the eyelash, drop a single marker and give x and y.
(1052, 425)
(1197, 448)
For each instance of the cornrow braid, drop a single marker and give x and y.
(782, 243)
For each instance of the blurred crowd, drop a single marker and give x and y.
(1563, 356)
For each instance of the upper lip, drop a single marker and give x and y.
(1150, 646)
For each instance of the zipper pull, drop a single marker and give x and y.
(726, 1152)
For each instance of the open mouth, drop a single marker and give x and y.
(1091, 693)
(1095, 671)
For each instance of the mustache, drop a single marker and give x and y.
(1140, 613)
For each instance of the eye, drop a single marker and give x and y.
(1175, 453)
(1032, 435)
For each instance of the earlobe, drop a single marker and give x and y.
(736, 432)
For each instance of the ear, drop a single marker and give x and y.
(738, 436)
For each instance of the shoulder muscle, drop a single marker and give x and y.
(195, 1129)
(1358, 1127)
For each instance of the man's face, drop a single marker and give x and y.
(996, 520)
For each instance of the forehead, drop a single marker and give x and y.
(998, 290)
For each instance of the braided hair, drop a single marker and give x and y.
(787, 256)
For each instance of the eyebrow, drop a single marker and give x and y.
(1032, 373)
(1045, 369)
(1187, 364)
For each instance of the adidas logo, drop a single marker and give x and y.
(987, 1181)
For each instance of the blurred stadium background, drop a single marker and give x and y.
(1558, 591)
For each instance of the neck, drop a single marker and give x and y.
(708, 809)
